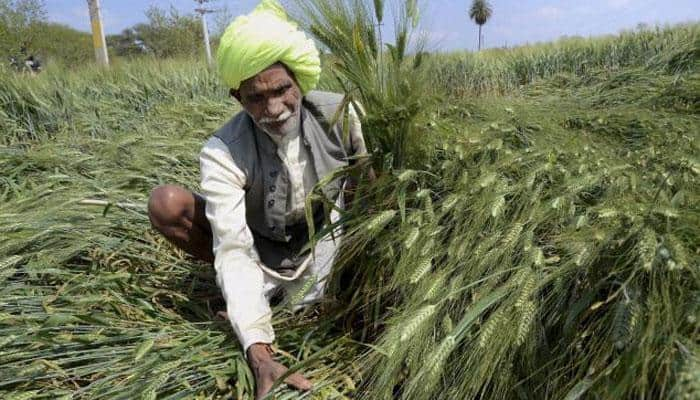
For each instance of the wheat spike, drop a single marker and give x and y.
(167, 367)
(143, 348)
(678, 251)
(557, 203)
(530, 180)
(151, 391)
(624, 323)
(450, 202)
(301, 292)
(407, 175)
(428, 247)
(528, 312)
(436, 363)
(480, 249)
(647, 248)
(32, 369)
(513, 234)
(416, 322)
(150, 394)
(411, 238)
(423, 194)
(688, 383)
(492, 325)
(527, 241)
(422, 269)
(378, 222)
(537, 256)
(7, 267)
(10, 261)
(498, 206)
(488, 179)
(435, 287)
(7, 340)
(447, 324)
(581, 257)
(527, 287)
(607, 213)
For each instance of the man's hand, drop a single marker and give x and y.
(267, 371)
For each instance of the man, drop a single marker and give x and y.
(256, 172)
(32, 65)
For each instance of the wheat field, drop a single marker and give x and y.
(533, 232)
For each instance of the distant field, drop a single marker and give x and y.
(542, 240)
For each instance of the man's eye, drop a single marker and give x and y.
(281, 91)
(255, 99)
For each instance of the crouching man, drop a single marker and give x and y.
(256, 172)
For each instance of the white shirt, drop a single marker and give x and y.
(246, 283)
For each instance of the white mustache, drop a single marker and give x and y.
(283, 117)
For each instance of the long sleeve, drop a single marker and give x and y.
(238, 273)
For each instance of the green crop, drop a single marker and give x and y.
(523, 239)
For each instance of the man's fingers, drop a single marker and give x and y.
(269, 371)
(297, 381)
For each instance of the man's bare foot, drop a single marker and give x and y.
(267, 371)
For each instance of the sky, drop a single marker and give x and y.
(445, 22)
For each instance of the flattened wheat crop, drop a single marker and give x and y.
(540, 244)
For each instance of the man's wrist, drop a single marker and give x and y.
(259, 352)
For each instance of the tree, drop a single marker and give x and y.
(20, 22)
(56, 43)
(126, 44)
(169, 34)
(480, 12)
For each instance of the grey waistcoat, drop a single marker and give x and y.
(266, 177)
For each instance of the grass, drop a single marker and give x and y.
(533, 242)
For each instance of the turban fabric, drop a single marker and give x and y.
(253, 42)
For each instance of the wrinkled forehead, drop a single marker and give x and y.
(273, 77)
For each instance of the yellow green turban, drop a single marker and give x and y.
(253, 42)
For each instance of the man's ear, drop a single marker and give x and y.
(235, 93)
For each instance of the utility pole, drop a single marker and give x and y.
(203, 13)
(98, 34)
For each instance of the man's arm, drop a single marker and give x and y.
(236, 263)
(235, 258)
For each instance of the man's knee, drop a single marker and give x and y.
(166, 206)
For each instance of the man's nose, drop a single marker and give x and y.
(274, 107)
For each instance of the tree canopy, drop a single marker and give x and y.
(25, 30)
(20, 22)
(480, 12)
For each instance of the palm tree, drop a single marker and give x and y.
(480, 12)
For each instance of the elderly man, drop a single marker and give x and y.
(256, 172)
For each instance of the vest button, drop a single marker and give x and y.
(273, 174)
(270, 203)
(272, 228)
(273, 188)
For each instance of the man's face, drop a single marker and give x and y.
(273, 99)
